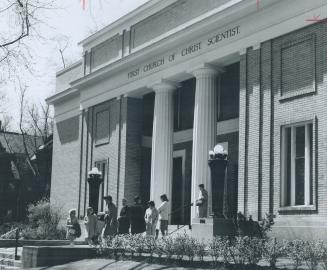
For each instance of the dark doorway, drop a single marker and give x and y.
(177, 211)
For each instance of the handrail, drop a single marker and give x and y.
(9, 232)
(16, 244)
(16, 240)
(178, 228)
(180, 208)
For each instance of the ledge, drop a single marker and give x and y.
(297, 94)
(49, 256)
(296, 209)
(12, 242)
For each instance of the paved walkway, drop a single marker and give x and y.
(109, 264)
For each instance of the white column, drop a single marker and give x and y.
(162, 141)
(204, 129)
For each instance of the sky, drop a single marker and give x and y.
(69, 21)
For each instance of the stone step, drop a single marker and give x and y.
(6, 267)
(11, 262)
(8, 255)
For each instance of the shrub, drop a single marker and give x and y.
(150, 245)
(312, 253)
(44, 219)
(295, 252)
(272, 250)
(191, 248)
(160, 247)
(254, 249)
(237, 250)
(200, 249)
(245, 250)
(220, 247)
(179, 246)
(324, 255)
(169, 246)
(246, 226)
(117, 245)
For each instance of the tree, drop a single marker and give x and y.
(24, 18)
(35, 125)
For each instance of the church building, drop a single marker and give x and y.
(160, 87)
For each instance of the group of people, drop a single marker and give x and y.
(133, 219)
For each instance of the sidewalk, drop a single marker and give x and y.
(109, 264)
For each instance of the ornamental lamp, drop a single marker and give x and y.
(95, 180)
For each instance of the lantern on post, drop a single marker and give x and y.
(94, 179)
(218, 163)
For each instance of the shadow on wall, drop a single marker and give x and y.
(68, 130)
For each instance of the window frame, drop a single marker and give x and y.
(286, 45)
(104, 140)
(309, 168)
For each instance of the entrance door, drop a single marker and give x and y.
(180, 191)
(177, 192)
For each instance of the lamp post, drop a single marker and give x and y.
(218, 163)
(222, 225)
(94, 179)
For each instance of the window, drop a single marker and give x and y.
(184, 98)
(102, 127)
(297, 189)
(298, 67)
(228, 94)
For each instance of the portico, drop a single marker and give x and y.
(203, 137)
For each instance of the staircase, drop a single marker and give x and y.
(7, 259)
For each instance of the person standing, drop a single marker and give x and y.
(151, 219)
(137, 217)
(202, 202)
(73, 227)
(110, 219)
(163, 214)
(90, 222)
(124, 219)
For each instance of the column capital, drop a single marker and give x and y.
(164, 86)
(205, 70)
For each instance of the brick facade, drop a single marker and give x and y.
(264, 110)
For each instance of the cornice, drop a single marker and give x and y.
(125, 22)
(186, 34)
(66, 94)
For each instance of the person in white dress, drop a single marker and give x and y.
(151, 219)
(163, 210)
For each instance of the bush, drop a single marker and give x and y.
(295, 251)
(43, 222)
(245, 250)
(272, 250)
(169, 246)
(200, 249)
(246, 226)
(313, 252)
(324, 255)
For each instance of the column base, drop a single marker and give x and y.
(202, 228)
(206, 228)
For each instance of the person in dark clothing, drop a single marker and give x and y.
(124, 218)
(137, 217)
